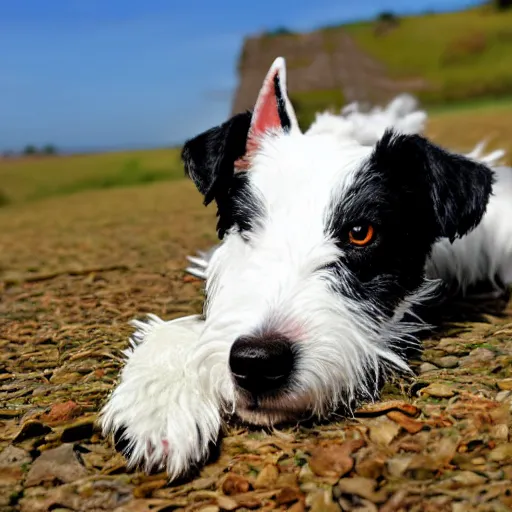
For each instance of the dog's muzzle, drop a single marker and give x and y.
(261, 365)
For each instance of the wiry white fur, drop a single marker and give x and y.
(484, 254)
(176, 386)
(367, 128)
(169, 415)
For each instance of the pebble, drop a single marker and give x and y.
(267, 477)
(503, 395)
(427, 367)
(501, 452)
(505, 384)
(438, 391)
(447, 362)
(469, 478)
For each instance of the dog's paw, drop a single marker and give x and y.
(158, 414)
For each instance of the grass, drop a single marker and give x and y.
(462, 126)
(462, 55)
(28, 179)
(307, 104)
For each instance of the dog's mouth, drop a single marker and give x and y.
(278, 408)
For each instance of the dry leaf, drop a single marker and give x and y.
(334, 460)
(412, 426)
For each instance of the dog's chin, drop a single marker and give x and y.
(273, 411)
(266, 417)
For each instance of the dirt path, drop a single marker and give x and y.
(75, 270)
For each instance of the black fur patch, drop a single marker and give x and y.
(209, 161)
(210, 156)
(281, 105)
(413, 193)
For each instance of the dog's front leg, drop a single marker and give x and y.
(164, 414)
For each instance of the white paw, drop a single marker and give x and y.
(159, 414)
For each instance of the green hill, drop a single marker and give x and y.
(461, 55)
(441, 58)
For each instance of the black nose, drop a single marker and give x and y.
(261, 365)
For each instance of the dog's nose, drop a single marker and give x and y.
(261, 365)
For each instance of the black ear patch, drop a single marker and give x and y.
(459, 188)
(209, 157)
(281, 104)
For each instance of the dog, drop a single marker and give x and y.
(330, 240)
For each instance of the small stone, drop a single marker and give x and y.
(297, 507)
(428, 367)
(288, 495)
(267, 477)
(31, 429)
(468, 478)
(226, 503)
(371, 467)
(65, 378)
(61, 412)
(482, 354)
(398, 465)
(502, 396)
(410, 425)
(500, 432)
(383, 431)
(13, 456)
(437, 390)
(321, 501)
(12, 463)
(447, 362)
(235, 484)
(61, 464)
(334, 460)
(363, 487)
(505, 384)
(501, 452)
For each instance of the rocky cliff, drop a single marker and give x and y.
(326, 69)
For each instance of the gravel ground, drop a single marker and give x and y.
(74, 270)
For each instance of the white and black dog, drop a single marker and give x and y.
(329, 240)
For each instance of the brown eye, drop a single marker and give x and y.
(361, 235)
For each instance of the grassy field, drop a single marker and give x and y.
(31, 178)
(462, 55)
(76, 267)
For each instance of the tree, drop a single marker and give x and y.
(503, 4)
(30, 150)
(49, 149)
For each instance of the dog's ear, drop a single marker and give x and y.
(209, 158)
(459, 188)
(273, 111)
(213, 157)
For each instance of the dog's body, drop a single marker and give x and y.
(330, 238)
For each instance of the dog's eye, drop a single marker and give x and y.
(361, 234)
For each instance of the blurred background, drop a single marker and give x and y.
(96, 97)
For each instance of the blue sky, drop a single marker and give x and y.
(119, 73)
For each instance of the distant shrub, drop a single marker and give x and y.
(279, 31)
(49, 149)
(388, 17)
(464, 48)
(30, 150)
(502, 4)
(4, 200)
(386, 21)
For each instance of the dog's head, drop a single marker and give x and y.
(324, 248)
